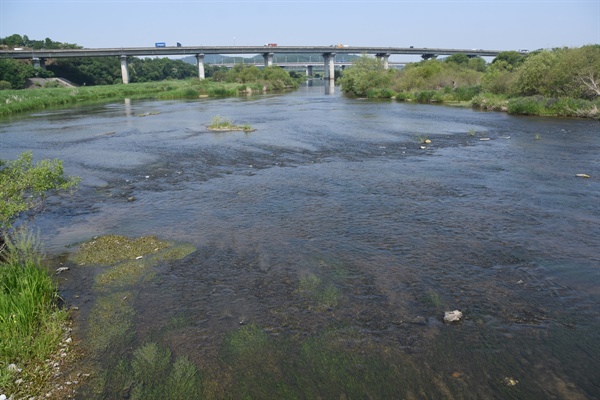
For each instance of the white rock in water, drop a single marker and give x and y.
(452, 316)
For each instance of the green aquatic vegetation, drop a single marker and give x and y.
(112, 249)
(151, 374)
(111, 322)
(223, 124)
(433, 299)
(246, 341)
(129, 271)
(125, 273)
(338, 363)
(325, 295)
(110, 325)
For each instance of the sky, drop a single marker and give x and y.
(463, 24)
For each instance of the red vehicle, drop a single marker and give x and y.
(271, 44)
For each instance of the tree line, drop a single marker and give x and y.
(561, 81)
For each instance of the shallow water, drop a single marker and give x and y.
(340, 192)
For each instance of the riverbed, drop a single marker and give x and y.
(331, 240)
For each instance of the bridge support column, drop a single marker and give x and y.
(124, 70)
(384, 57)
(38, 63)
(268, 59)
(329, 66)
(200, 62)
(309, 70)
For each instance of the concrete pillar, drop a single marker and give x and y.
(200, 62)
(268, 59)
(38, 63)
(309, 70)
(329, 66)
(384, 57)
(124, 70)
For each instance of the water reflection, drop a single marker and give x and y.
(128, 112)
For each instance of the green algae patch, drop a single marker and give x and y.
(111, 322)
(321, 295)
(127, 258)
(126, 273)
(112, 249)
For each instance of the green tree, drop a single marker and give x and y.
(535, 76)
(580, 68)
(24, 185)
(510, 58)
(498, 78)
(17, 72)
(277, 77)
(366, 73)
(458, 58)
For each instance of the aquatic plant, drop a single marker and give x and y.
(423, 139)
(224, 124)
(325, 295)
(112, 249)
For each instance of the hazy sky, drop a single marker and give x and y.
(480, 24)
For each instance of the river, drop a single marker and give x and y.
(331, 240)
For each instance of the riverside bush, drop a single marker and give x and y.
(466, 93)
(490, 102)
(382, 93)
(429, 96)
(24, 185)
(526, 105)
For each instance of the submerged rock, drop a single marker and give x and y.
(452, 316)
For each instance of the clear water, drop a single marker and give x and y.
(340, 189)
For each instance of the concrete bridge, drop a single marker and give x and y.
(328, 53)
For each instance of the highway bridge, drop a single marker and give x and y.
(328, 53)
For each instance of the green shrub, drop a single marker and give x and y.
(429, 96)
(466, 93)
(404, 96)
(382, 93)
(24, 185)
(490, 102)
(526, 105)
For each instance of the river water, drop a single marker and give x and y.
(334, 227)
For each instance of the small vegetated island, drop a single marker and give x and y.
(222, 124)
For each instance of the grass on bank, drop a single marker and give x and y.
(31, 323)
(17, 101)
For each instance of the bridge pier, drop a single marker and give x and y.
(309, 70)
(384, 57)
(124, 70)
(268, 59)
(38, 63)
(329, 66)
(200, 63)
